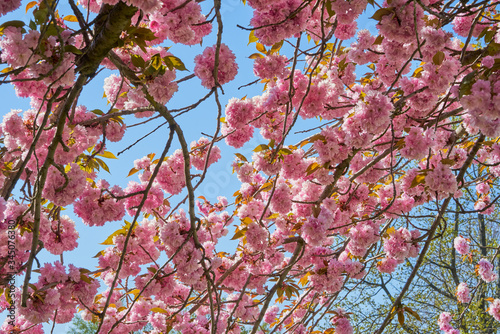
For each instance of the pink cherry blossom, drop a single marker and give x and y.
(270, 66)
(463, 293)
(485, 269)
(205, 64)
(63, 187)
(461, 245)
(269, 16)
(342, 323)
(494, 309)
(8, 6)
(199, 152)
(99, 205)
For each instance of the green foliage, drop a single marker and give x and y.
(80, 326)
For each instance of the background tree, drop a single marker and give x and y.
(435, 289)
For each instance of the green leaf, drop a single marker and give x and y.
(70, 18)
(122, 231)
(240, 233)
(343, 64)
(15, 23)
(256, 56)
(493, 49)
(138, 61)
(413, 313)
(378, 40)
(40, 15)
(448, 162)
(311, 168)
(438, 58)
(72, 49)
(241, 156)
(488, 37)
(252, 38)
(382, 12)
(466, 84)
(102, 164)
(159, 310)
(97, 112)
(260, 48)
(261, 147)
(156, 61)
(141, 33)
(107, 154)
(175, 62)
(329, 9)
(419, 179)
(85, 278)
(169, 63)
(483, 32)
(401, 317)
(132, 172)
(53, 30)
(276, 46)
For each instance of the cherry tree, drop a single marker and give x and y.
(402, 115)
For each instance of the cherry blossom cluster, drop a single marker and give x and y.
(8, 6)
(494, 309)
(98, 205)
(179, 22)
(461, 245)
(399, 246)
(51, 68)
(463, 293)
(270, 66)
(206, 62)
(341, 322)
(59, 288)
(200, 151)
(160, 86)
(484, 269)
(444, 324)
